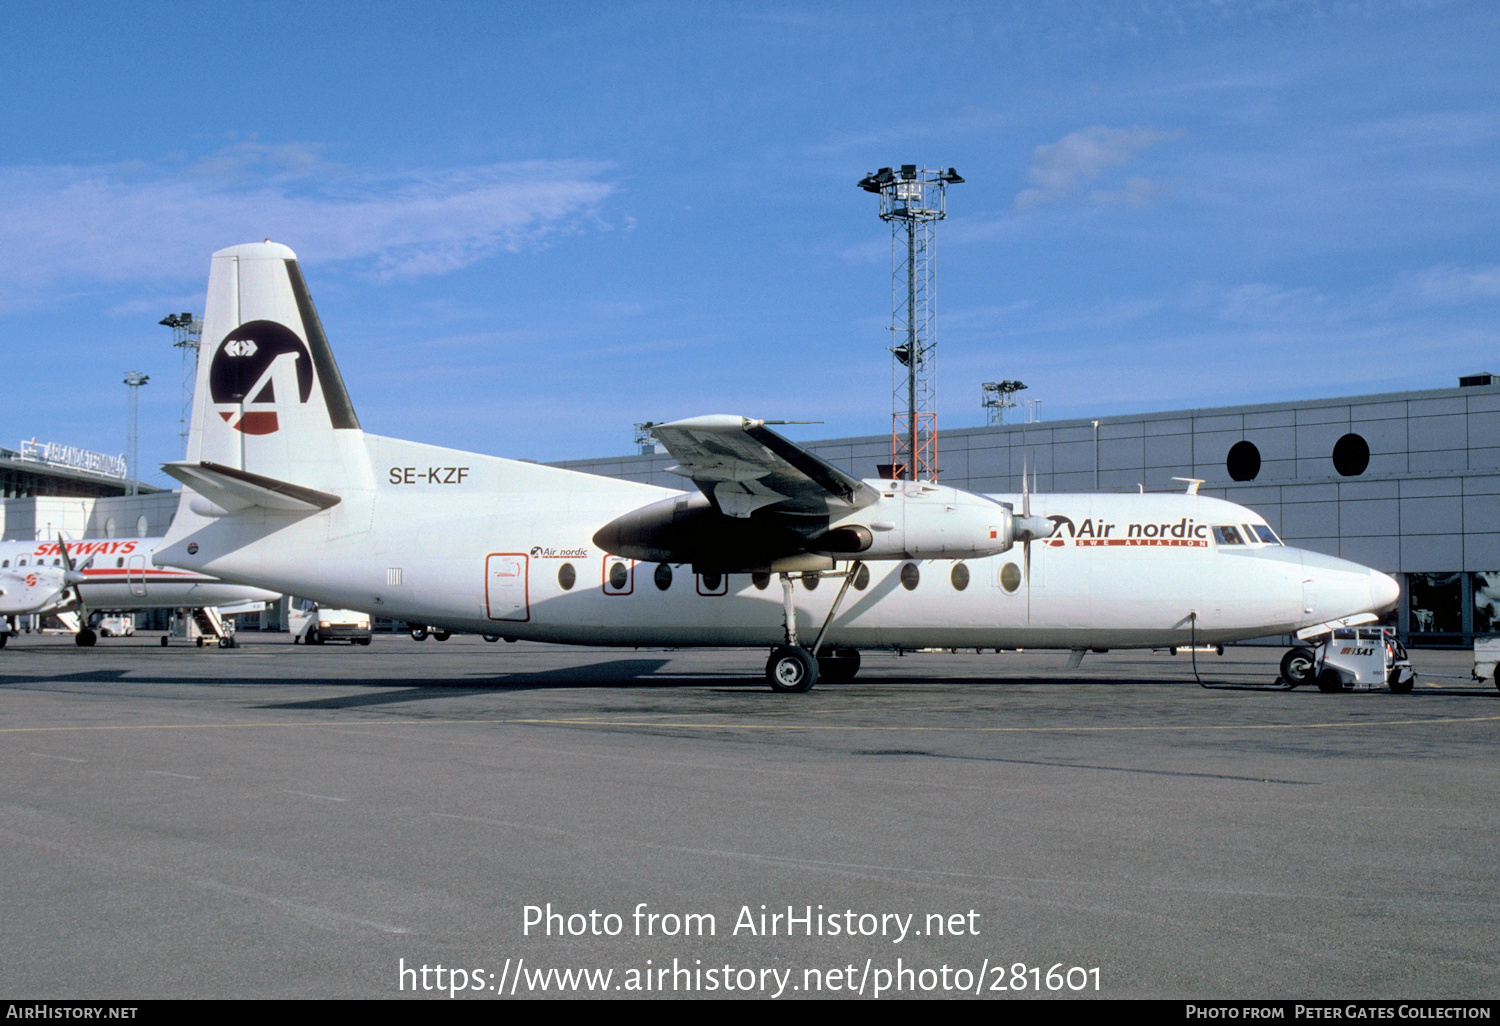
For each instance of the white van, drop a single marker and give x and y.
(313, 624)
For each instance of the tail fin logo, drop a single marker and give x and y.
(241, 379)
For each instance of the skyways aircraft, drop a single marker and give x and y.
(773, 547)
(71, 577)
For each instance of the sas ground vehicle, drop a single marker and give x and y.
(1351, 659)
(313, 624)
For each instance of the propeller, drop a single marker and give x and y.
(1027, 529)
(72, 578)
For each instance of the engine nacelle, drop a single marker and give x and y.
(927, 521)
(31, 589)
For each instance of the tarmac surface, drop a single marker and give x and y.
(284, 821)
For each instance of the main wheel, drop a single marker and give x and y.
(791, 669)
(226, 642)
(419, 634)
(163, 641)
(313, 637)
(839, 666)
(1329, 682)
(85, 638)
(441, 635)
(491, 638)
(1399, 686)
(361, 641)
(3, 639)
(1297, 666)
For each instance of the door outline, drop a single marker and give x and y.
(525, 564)
(629, 571)
(135, 576)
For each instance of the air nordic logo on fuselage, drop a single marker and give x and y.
(242, 375)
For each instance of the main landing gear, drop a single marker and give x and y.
(793, 669)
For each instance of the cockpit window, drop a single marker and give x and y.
(1267, 535)
(1228, 535)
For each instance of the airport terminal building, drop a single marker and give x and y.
(1408, 482)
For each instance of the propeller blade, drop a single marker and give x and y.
(73, 577)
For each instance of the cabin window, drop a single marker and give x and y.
(120, 561)
(862, 578)
(663, 576)
(567, 576)
(761, 580)
(959, 576)
(1010, 577)
(1228, 535)
(910, 576)
(1267, 535)
(20, 562)
(619, 577)
(4, 562)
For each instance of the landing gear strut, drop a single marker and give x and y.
(793, 669)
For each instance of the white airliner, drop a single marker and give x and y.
(76, 576)
(775, 547)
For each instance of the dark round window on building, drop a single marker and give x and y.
(618, 576)
(663, 576)
(1243, 462)
(567, 576)
(862, 578)
(959, 576)
(1351, 455)
(910, 575)
(761, 580)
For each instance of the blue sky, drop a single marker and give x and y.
(528, 226)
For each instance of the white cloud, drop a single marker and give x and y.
(1061, 169)
(1448, 284)
(65, 228)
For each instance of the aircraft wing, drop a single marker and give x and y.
(741, 466)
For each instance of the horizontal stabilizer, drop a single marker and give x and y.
(230, 489)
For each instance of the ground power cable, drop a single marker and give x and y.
(1286, 685)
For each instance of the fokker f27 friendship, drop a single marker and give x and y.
(774, 547)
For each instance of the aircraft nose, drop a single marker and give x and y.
(1385, 592)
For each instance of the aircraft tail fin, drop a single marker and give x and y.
(269, 398)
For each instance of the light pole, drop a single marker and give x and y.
(135, 379)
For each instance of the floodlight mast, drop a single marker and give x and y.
(134, 379)
(912, 201)
(187, 335)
